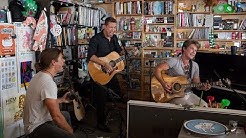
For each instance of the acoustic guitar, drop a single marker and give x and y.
(98, 72)
(79, 109)
(178, 85)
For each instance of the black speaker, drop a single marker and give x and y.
(164, 120)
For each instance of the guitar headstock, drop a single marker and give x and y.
(225, 82)
(136, 51)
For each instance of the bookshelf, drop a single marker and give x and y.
(215, 33)
(143, 22)
(164, 31)
(70, 32)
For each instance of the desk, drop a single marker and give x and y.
(187, 134)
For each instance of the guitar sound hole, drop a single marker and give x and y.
(112, 63)
(176, 87)
(103, 69)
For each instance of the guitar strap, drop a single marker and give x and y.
(190, 70)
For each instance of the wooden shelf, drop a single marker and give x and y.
(229, 30)
(236, 13)
(99, 3)
(121, 31)
(145, 58)
(117, 15)
(139, 58)
(160, 24)
(155, 32)
(193, 39)
(130, 39)
(163, 15)
(195, 12)
(228, 40)
(192, 27)
(125, 0)
(158, 48)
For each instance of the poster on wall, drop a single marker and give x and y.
(8, 73)
(13, 106)
(25, 73)
(25, 56)
(7, 42)
(25, 37)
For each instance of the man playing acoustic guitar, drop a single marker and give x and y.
(101, 45)
(182, 66)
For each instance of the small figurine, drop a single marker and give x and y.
(132, 24)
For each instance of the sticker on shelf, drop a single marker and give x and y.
(56, 30)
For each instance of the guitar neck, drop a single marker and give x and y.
(120, 59)
(70, 80)
(123, 57)
(194, 85)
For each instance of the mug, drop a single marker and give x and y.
(233, 50)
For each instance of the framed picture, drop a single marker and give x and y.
(136, 35)
(153, 53)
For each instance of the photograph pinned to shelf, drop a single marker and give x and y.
(149, 63)
(136, 35)
(168, 38)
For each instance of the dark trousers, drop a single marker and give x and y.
(51, 130)
(101, 96)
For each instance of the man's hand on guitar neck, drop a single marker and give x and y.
(205, 87)
(65, 98)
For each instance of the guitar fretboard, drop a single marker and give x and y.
(194, 85)
(123, 57)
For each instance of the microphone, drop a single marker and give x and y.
(123, 45)
(120, 43)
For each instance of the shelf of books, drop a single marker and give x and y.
(217, 26)
(161, 27)
(71, 32)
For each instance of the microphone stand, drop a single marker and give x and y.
(128, 78)
(150, 74)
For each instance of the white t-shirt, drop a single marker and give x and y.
(36, 113)
(176, 68)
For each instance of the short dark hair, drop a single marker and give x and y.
(189, 42)
(46, 57)
(110, 19)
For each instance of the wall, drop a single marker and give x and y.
(4, 3)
